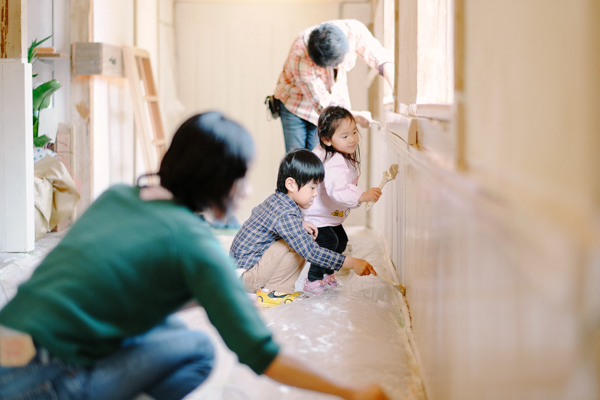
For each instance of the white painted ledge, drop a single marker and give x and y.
(402, 126)
(16, 157)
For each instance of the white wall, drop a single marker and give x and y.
(500, 257)
(147, 24)
(43, 21)
(230, 57)
(113, 146)
(16, 157)
(171, 107)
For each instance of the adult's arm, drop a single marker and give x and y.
(367, 46)
(312, 86)
(388, 73)
(290, 371)
(210, 276)
(371, 51)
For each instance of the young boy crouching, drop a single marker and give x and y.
(274, 243)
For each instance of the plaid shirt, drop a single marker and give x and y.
(279, 217)
(306, 89)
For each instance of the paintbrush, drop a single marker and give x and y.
(377, 123)
(398, 286)
(388, 175)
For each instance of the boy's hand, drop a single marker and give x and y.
(311, 229)
(361, 267)
(372, 194)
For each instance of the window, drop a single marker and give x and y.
(435, 52)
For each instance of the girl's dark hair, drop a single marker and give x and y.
(209, 152)
(329, 120)
(302, 165)
(327, 45)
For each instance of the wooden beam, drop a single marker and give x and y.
(13, 28)
(396, 54)
(81, 106)
(459, 126)
(442, 112)
(406, 52)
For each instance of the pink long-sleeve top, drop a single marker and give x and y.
(338, 193)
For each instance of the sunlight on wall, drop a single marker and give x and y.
(435, 43)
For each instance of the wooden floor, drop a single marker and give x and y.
(15, 268)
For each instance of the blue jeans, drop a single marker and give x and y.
(297, 132)
(167, 362)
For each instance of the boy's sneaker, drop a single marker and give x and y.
(330, 281)
(314, 287)
(273, 298)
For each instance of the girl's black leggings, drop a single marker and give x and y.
(333, 238)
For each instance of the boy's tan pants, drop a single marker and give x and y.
(278, 269)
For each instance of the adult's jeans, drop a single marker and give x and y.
(333, 238)
(297, 132)
(166, 363)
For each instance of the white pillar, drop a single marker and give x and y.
(16, 157)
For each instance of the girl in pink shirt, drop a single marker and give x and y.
(339, 151)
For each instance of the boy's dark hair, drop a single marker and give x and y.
(209, 152)
(329, 120)
(302, 165)
(327, 45)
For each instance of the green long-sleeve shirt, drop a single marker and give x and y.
(121, 269)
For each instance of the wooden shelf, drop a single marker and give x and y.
(53, 56)
(442, 112)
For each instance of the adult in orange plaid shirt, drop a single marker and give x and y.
(314, 76)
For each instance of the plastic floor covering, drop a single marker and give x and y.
(357, 333)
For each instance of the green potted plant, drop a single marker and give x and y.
(41, 96)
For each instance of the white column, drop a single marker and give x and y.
(16, 157)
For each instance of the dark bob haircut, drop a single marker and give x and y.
(302, 165)
(327, 45)
(329, 120)
(209, 152)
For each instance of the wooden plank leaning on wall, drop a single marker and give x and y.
(81, 106)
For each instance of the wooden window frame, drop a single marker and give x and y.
(434, 129)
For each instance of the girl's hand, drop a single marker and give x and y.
(371, 392)
(311, 229)
(372, 194)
